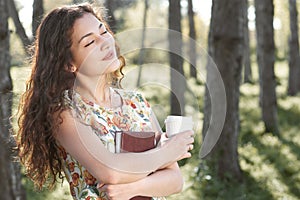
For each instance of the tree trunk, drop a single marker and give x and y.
(13, 13)
(264, 10)
(110, 5)
(178, 82)
(247, 54)
(6, 187)
(192, 45)
(81, 1)
(294, 58)
(226, 42)
(142, 50)
(37, 14)
(10, 184)
(7, 184)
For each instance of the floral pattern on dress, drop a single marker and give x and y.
(132, 115)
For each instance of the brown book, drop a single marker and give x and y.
(126, 141)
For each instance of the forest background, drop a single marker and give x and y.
(253, 44)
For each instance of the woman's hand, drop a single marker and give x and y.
(118, 191)
(180, 143)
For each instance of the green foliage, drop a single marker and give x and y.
(150, 56)
(270, 164)
(60, 191)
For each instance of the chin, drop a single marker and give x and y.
(114, 65)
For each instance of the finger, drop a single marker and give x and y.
(186, 155)
(100, 185)
(101, 189)
(189, 133)
(190, 147)
(186, 133)
(191, 140)
(192, 134)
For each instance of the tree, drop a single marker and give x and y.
(5, 89)
(178, 83)
(142, 50)
(192, 45)
(81, 1)
(110, 5)
(226, 42)
(294, 58)
(13, 13)
(264, 10)
(10, 184)
(37, 14)
(246, 57)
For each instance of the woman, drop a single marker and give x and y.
(73, 106)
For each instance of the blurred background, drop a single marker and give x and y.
(254, 45)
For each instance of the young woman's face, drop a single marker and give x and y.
(93, 48)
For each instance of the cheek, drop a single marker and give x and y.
(81, 58)
(76, 58)
(91, 64)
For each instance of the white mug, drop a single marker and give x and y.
(176, 124)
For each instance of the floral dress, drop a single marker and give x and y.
(132, 115)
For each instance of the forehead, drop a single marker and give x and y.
(85, 24)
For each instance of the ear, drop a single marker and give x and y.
(71, 68)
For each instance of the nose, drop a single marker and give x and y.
(105, 45)
(104, 42)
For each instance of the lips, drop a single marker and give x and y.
(109, 55)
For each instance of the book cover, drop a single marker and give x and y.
(126, 141)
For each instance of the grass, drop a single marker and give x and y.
(270, 164)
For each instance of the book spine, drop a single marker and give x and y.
(118, 137)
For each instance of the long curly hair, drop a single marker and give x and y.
(42, 103)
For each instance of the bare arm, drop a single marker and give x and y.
(161, 183)
(111, 168)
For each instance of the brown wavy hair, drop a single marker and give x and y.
(43, 101)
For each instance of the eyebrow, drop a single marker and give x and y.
(88, 34)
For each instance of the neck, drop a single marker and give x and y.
(95, 90)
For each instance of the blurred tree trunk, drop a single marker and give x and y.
(178, 82)
(247, 54)
(142, 50)
(10, 184)
(226, 42)
(13, 13)
(264, 10)
(6, 188)
(294, 58)
(37, 15)
(192, 45)
(110, 5)
(82, 1)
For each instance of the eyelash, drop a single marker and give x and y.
(89, 43)
(94, 40)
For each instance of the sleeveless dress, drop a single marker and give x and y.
(132, 115)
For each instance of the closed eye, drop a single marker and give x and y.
(103, 33)
(91, 42)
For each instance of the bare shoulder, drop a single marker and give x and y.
(66, 126)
